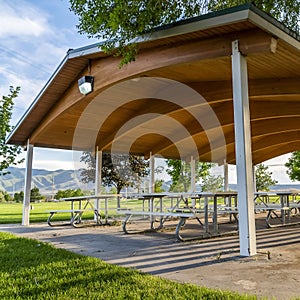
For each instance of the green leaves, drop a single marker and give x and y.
(263, 178)
(180, 172)
(8, 153)
(118, 22)
(293, 166)
(68, 193)
(118, 170)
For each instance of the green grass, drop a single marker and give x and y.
(12, 212)
(34, 270)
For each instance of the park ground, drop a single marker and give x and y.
(273, 273)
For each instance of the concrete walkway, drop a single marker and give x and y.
(215, 263)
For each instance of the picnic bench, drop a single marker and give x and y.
(79, 206)
(208, 206)
(278, 214)
(182, 211)
(75, 219)
(152, 208)
(163, 216)
(202, 200)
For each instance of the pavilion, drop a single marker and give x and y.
(224, 86)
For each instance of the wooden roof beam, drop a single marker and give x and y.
(106, 72)
(275, 150)
(222, 90)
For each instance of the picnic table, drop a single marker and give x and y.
(263, 198)
(182, 210)
(80, 205)
(152, 208)
(279, 211)
(206, 207)
(224, 203)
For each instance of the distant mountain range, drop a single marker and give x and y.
(48, 182)
(278, 187)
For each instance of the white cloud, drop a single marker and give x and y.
(34, 37)
(20, 19)
(53, 165)
(54, 159)
(31, 47)
(276, 165)
(29, 89)
(50, 55)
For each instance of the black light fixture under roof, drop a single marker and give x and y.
(85, 84)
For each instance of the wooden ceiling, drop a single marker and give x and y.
(175, 100)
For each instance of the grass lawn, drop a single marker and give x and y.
(31, 269)
(12, 212)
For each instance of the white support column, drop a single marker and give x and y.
(27, 185)
(226, 180)
(152, 179)
(254, 180)
(193, 175)
(98, 173)
(98, 178)
(247, 232)
(193, 179)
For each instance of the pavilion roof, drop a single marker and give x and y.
(175, 100)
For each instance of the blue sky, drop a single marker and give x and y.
(34, 37)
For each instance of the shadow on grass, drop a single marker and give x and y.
(17, 253)
(35, 270)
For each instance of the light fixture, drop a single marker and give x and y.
(85, 84)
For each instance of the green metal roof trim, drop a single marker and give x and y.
(230, 10)
(94, 48)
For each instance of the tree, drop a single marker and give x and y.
(263, 178)
(35, 194)
(119, 23)
(112, 190)
(286, 12)
(158, 186)
(118, 170)
(212, 183)
(293, 165)
(68, 193)
(5, 197)
(8, 153)
(180, 173)
(18, 197)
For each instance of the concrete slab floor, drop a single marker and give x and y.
(215, 263)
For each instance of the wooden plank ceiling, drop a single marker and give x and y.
(175, 100)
